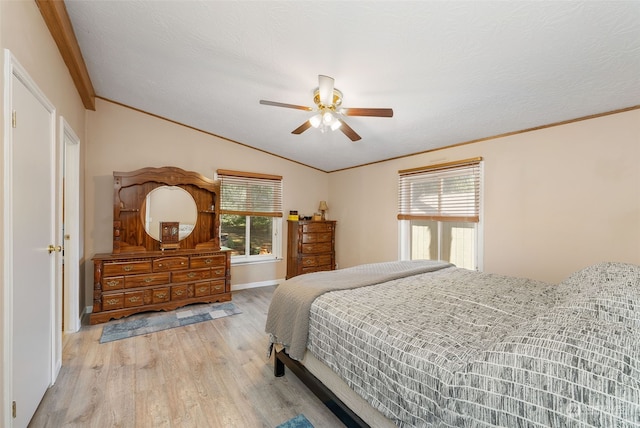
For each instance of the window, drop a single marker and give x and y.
(439, 213)
(250, 215)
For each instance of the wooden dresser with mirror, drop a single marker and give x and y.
(166, 245)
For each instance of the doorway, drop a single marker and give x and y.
(69, 234)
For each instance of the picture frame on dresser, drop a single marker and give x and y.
(143, 274)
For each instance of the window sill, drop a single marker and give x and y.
(252, 261)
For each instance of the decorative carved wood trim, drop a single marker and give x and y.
(132, 187)
(55, 16)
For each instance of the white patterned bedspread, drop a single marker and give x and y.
(462, 348)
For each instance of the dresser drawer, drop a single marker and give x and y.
(112, 301)
(146, 280)
(170, 263)
(324, 247)
(113, 283)
(218, 272)
(202, 289)
(217, 287)
(126, 268)
(208, 261)
(193, 275)
(308, 261)
(317, 227)
(324, 260)
(179, 292)
(311, 238)
(133, 298)
(160, 295)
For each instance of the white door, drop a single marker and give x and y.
(32, 218)
(71, 226)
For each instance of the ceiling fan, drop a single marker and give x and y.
(329, 113)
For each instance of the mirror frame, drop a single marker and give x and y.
(155, 196)
(130, 191)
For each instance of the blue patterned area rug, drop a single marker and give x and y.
(136, 325)
(298, 422)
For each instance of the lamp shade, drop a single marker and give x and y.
(323, 206)
(316, 120)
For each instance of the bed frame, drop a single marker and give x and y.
(328, 398)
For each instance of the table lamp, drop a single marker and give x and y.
(323, 208)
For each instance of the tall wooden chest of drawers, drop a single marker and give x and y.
(310, 247)
(132, 283)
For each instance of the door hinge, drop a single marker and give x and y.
(13, 119)
(13, 409)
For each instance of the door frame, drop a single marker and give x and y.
(12, 68)
(69, 214)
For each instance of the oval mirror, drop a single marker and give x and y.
(169, 203)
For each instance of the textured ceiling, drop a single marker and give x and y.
(452, 71)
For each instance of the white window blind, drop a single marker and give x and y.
(250, 194)
(446, 192)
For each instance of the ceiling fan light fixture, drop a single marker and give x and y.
(328, 113)
(316, 120)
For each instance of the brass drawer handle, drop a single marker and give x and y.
(178, 292)
(208, 261)
(148, 279)
(127, 268)
(134, 299)
(191, 274)
(217, 287)
(201, 289)
(112, 283)
(112, 301)
(161, 295)
(218, 272)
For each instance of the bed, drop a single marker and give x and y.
(425, 343)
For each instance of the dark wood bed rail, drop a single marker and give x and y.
(328, 398)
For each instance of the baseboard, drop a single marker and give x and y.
(237, 287)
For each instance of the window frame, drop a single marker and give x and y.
(405, 219)
(273, 210)
(276, 245)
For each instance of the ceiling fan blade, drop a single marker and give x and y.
(325, 88)
(277, 104)
(348, 131)
(378, 112)
(300, 129)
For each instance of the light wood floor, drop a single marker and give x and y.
(210, 374)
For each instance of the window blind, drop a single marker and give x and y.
(445, 192)
(252, 194)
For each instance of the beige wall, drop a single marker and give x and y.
(122, 139)
(555, 200)
(24, 33)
